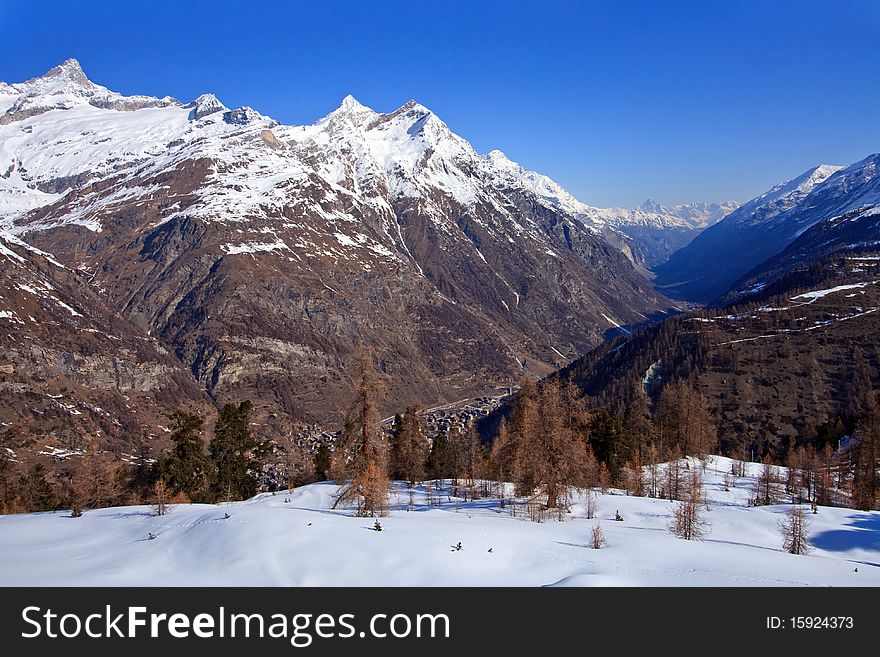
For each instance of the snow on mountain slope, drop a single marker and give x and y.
(296, 540)
(831, 242)
(686, 216)
(658, 231)
(265, 251)
(93, 133)
(782, 197)
(80, 134)
(707, 267)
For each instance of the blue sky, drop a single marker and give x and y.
(616, 100)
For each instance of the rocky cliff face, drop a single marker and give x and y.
(74, 372)
(262, 256)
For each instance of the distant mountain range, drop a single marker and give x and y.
(659, 231)
(262, 256)
(155, 254)
(765, 227)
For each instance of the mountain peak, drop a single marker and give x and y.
(499, 160)
(69, 69)
(650, 205)
(412, 105)
(823, 171)
(204, 105)
(350, 110)
(352, 104)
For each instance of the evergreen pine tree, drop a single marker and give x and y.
(235, 453)
(187, 469)
(439, 466)
(322, 461)
(409, 447)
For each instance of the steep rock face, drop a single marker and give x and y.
(265, 255)
(73, 372)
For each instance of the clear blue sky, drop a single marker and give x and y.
(616, 100)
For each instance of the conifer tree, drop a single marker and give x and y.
(635, 476)
(187, 469)
(684, 420)
(609, 441)
(794, 529)
(409, 447)
(524, 425)
(550, 456)
(464, 448)
(160, 497)
(767, 488)
(98, 481)
(688, 521)
(235, 453)
(673, 474)
(360, 460)
(501, 453)
(653, 478)
(866, 458)
(322, 461)
(439, 459)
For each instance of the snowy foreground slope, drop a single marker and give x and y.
(267, 541)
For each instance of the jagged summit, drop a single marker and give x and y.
(205, 105)
(314, 238)
(349, 111)
(65, 87)
(69, 69)
(352, 104)
(414, 106)
(650, 205)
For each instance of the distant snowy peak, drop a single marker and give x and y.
(858, 185)
(684, 216)
(68, 71)
(205, 105)
(63, 88)
(783, 196)
(652, 206)
(701, 214)
(765, 226)
(379, 157)
(350, 111)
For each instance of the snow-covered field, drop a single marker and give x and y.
(267, 541)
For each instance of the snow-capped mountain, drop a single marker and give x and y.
(846, 242)
(264, 254)
(658, 231)
(763, 227)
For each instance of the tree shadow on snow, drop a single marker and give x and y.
(864, 534)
